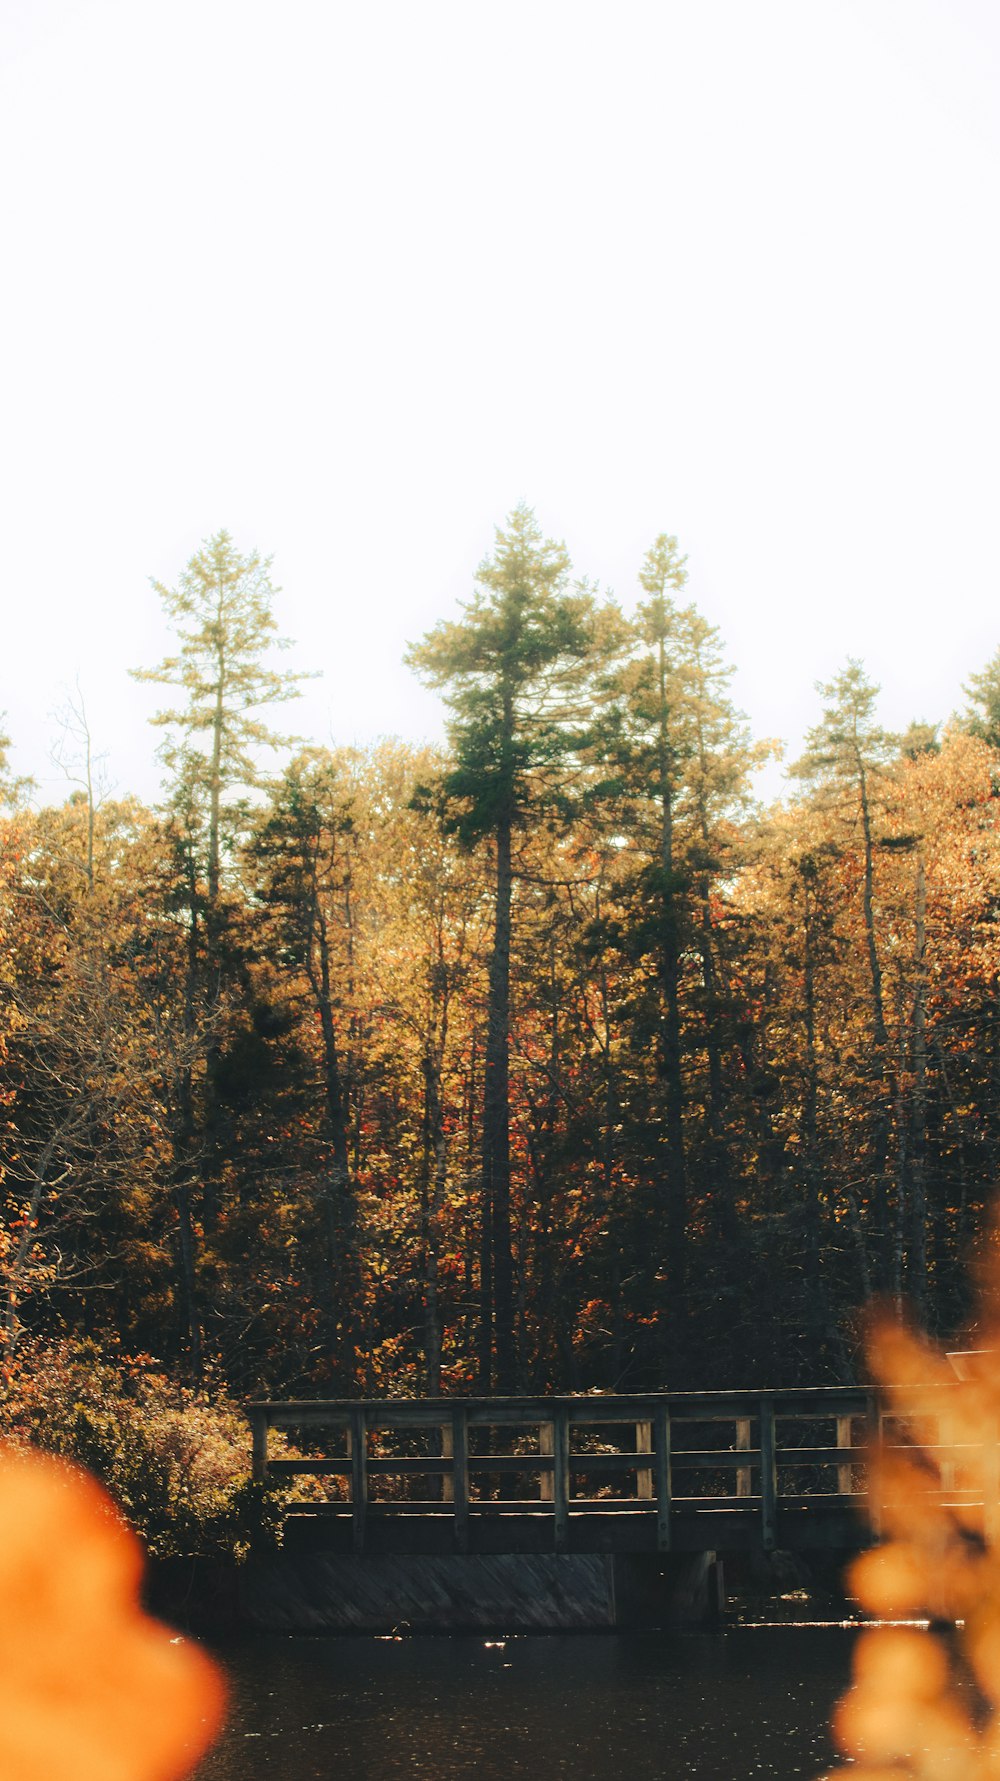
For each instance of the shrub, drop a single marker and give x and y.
(176, 1461)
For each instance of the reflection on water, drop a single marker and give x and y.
(594, 1706)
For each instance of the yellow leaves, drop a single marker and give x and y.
(922, 1705)
(899, 1698)
(982, 1643)
(91, 1689)
(914, 1577)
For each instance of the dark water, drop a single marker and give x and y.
(598, 1707)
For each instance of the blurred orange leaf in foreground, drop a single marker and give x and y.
(91, 1689)
(924, 1703)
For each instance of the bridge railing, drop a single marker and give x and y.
(752, 1454)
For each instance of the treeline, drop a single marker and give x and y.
(548, 1061)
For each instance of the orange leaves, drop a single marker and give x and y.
(90, 1688)
(924, 1705)
(900, 1678)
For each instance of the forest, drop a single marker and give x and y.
(547, 1060)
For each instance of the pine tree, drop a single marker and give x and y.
(683, 760)
(655, 750)
(302, 851)
(221, 615)
(847, 756)
(221, 612)
(515, 671)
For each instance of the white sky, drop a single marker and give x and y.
(350, 280)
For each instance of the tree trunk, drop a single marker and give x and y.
(880, 1127)
(341, 1231)
(918, 1171)
(810, 1122)
(187, 1239)
(187, 1279)
(674, 1167)
(433, 1178)
(215, 780)
(497, 1247)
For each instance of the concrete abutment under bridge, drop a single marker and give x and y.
(384, 1593)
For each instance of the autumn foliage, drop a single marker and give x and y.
(752, 1058)
(926, 1703)
(90, 1687)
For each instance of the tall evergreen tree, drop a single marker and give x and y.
(846, 758)
(514, 670)
(221, 613)
(683, 762)
(302, 852)
(654, 748)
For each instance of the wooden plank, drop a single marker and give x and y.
(448, 1454)
(873, 1432)
(708, 1459)
(580, 1463)
(308, 1416)
(947, 1462)
(817, 1400)
(546, 1449)
(560, 1480)
(661, 1431)
(460, 1477)
(821, 1456)
(594, 1409)
(358, 1435)
(422, 1464)
(644, 1444)
(334, 1468)
(507, 1463)
(845, 1469)
(768, 1475)
(704, 1510)
(743, 1474)
(705, 1459)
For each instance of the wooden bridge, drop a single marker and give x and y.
(566, 1512)
(684, 1472)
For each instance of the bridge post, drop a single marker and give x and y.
(768, 1474)
(873, 1439)
(447, 1452)
(947, 1469)
(743, 1478)
(258, 1424)
(459, 1432)
(845, 1473)
(357, 1442)
(546, 1447)
(560, 1479)
(644, 1444)
(662, 1428)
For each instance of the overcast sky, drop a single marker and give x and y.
(351, 280)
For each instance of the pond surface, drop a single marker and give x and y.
(750, 1701)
